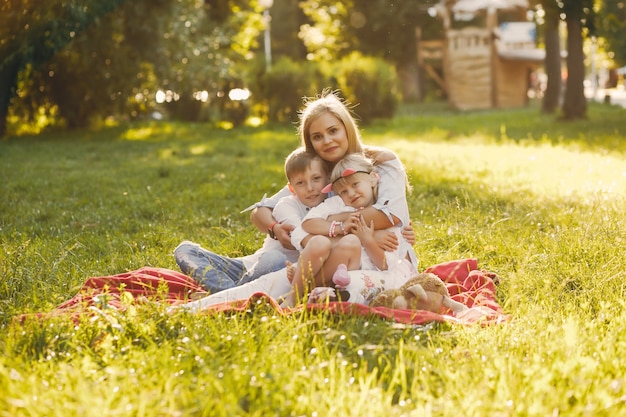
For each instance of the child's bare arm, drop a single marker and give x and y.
(381, 221)
(365, 234)
(316, 226)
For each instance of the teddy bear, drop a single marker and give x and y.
(424, 291)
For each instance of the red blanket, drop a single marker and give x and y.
(467, 284)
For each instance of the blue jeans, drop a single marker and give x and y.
(217, 273)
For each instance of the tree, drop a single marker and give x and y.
(203, 51)
(612, 27)
(326, 36)
(32, 32)
(117, 61)
(579, 15)
(381, 28)
(552, 62)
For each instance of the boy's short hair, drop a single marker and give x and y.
(299, 161)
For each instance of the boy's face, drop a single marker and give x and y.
(307, 185)
(356, 190)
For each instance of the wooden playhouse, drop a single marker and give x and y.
(487, 54)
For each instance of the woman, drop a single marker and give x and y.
(328, 129)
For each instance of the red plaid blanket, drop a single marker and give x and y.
(466, 283)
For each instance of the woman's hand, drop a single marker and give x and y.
(409, 234)
(386, 240)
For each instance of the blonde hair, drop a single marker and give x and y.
(357, 162)
(328, 102)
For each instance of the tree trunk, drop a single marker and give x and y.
(575, 103)
(8, 86)
(552, 63)
(408, 74)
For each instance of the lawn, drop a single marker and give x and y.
(538, 201)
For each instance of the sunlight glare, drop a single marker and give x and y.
(544, 170)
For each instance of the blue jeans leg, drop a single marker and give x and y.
(214, 272)
(269, 261)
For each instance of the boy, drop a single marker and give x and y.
(306, 175)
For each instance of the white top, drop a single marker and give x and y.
(391, 198)
(288, 210)
(330, 206)
(335, 205)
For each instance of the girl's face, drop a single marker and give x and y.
(329, 138)
(357, 190)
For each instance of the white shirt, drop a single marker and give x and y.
(288, 210)
(335, 205)
(391, 199)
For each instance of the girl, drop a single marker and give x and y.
(336, 246)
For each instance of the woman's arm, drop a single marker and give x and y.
(379, 154)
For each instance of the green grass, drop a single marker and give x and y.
(540, 202)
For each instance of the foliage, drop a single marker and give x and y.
(378, 28)
(286, 84)
(287, 18)
(541, 203)
(326, 37)
(386, 28)
(370, 83)
(32, 32)
(79, 63)
(115, 67)
(612, 27)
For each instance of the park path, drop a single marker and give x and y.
(618, 95)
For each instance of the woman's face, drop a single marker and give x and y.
(328, 137)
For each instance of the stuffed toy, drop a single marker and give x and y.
(425, 291)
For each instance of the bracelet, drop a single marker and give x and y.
(270, 230)
(331, 231)
(333, 227)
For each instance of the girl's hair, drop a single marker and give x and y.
(357, 162)
(328, 102)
